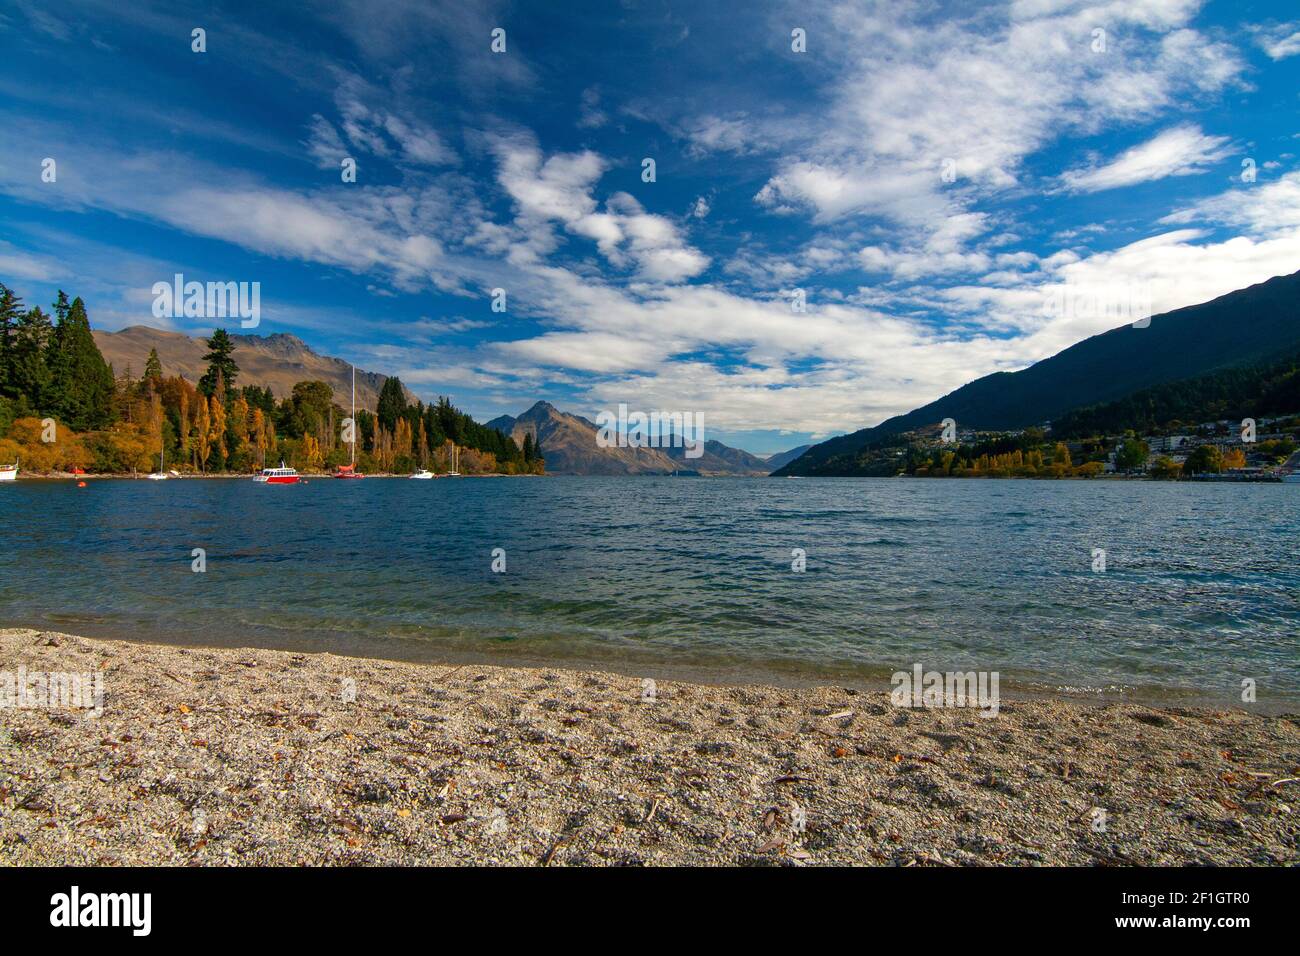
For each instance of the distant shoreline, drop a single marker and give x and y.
(142, 476)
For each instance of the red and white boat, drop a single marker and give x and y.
(278, 476)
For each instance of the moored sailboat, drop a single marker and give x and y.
(161, 473)
(350, 471)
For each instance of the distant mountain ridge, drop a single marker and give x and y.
(783, 458)
(568, 444)
(1251, 325)
(278, 361)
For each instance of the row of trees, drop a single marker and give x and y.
(61, 407)
(1027, 456)
(402, 434)
(979, 462)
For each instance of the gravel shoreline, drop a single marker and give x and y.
(250, 756)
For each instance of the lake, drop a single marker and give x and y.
(684, 577)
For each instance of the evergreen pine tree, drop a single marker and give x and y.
(81, 388)
(61, 307)
(29, 375)
(11, 313)
(220, 364)
(392, 402)
(153, 374)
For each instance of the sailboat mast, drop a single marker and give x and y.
(354, 416)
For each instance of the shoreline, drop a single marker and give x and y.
(233, 756)
(230, 476)
(634, 664)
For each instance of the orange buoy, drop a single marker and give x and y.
(81, 484)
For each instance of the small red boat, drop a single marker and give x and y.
(347, 471)
(278, 476)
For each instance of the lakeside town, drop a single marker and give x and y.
(1267, 449)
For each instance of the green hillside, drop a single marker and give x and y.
(1250, 326)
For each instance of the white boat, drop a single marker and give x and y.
(161, 473)
(423, 474)
(278, 476)
(455, 462)
(9, 472)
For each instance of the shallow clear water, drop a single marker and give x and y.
(680, 576)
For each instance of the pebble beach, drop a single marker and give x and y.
(235, 757)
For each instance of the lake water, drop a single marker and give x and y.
(691, 577)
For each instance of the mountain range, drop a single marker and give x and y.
(783, 458)
(1252, 325)
(279, 361)
(568, 443)
(1104, 375)
(276, 361)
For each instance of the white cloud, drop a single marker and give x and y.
(559, 189)
(377, 131)
(1180, 151)
(622, 322)
(718, 134)
(1282, 41)
(16, 263)
(1260, 209)
(985, 91)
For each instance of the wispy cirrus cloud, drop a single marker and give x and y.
(1180, 151)
(1040, 69)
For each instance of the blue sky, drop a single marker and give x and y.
(956, 188)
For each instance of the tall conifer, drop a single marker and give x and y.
(81, 382)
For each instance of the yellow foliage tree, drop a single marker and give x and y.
(202, 434)
(24, 445)
(217, 428)
(260, 438)
(402, 439)
(311, 453)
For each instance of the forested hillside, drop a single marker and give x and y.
(63, 407)
(1249, 326)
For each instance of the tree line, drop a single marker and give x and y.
(53, 374)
